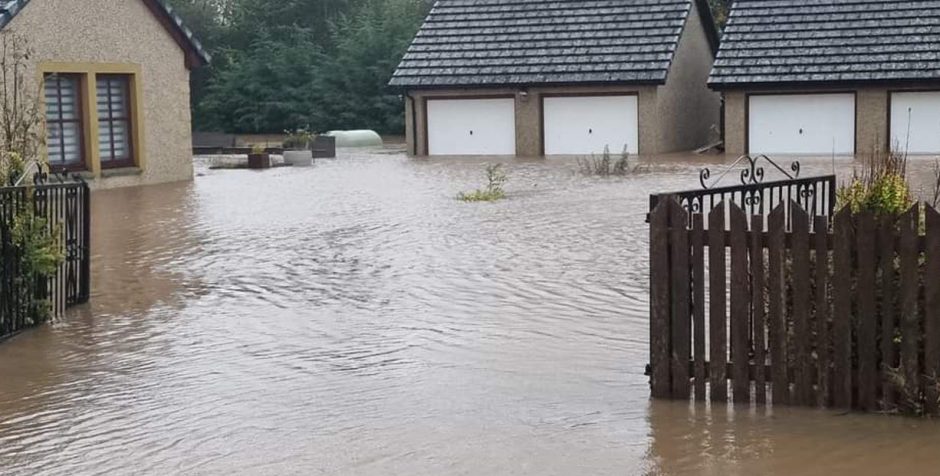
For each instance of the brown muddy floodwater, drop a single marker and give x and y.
(354, 318)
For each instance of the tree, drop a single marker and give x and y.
(272, 87)
(368, 47)
(21, 134)
(283, 64)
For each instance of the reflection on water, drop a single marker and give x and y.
(353, 318)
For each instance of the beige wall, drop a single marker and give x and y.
(122, 32)
(677, 116)
(872, 106)
(689, 112)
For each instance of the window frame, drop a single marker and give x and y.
(111, 120)
(80, 119)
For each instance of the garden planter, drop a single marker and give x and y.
(259, 161)
(298, 158)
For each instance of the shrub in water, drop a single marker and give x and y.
(605, 166)
(495, 178)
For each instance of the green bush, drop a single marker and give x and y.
(882, 189)
(495, 178)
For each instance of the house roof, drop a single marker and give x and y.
(822, 41)
(522, 42)
(196, 55)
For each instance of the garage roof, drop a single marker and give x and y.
(822, 41)
(518, 42)
(196, 55)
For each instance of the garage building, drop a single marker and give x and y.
(830, 77)
(560, 77)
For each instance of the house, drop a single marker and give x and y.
(830, 77)
(114, 80)
(560, 77)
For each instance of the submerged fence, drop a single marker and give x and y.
(63, 206)
(796, 309)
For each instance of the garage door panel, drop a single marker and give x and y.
(809, 124)
(587, 124)
(915, 122)
(471, 126)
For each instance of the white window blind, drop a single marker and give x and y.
(114, 125)
(63, 119)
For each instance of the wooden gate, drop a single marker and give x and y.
(796, 309)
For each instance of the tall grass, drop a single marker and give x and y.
(605, 165)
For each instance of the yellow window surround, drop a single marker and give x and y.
(89, 73)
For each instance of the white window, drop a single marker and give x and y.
(64, 120)
(114, 121)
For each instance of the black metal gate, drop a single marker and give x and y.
(63, 204)
(816, 195)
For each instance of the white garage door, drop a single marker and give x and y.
(810, 124)
(471, 126)
(585, 125)
(915, 122)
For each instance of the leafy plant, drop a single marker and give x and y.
(495, 178)
(298, 139)
(882, 188)
(257, 149)
(34, 242)
(605, 166)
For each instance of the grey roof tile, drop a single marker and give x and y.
(807, 41)
(515, 42)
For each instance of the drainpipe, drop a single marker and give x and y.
(413, 149)
(721, 123)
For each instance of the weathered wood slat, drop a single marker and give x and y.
(740, 299)
(932, 312)
(842, 310)
(887, 246)
(758, 309)
(802, 339)
(866, 345)
(777, 324)
(660, 307)
(717, 312)
(698, 302)
(823, 344)
(910, 322)
(681, 297)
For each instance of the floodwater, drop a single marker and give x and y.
(354, 318)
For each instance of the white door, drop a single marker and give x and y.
(808, 124)
(915, 122)
(471, 126)
(587, 124)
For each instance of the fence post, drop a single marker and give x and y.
(740, 300)
(842, 310)
(932, 308)
(717, 312)
(802, 339)
(777, 331)
(759, 312)
(887, 245)
(681, 295)
(866, 345)
(823, 349)
(698, 301)
(660, 307)
(910, 328)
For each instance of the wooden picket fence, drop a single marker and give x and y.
(796, 310)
